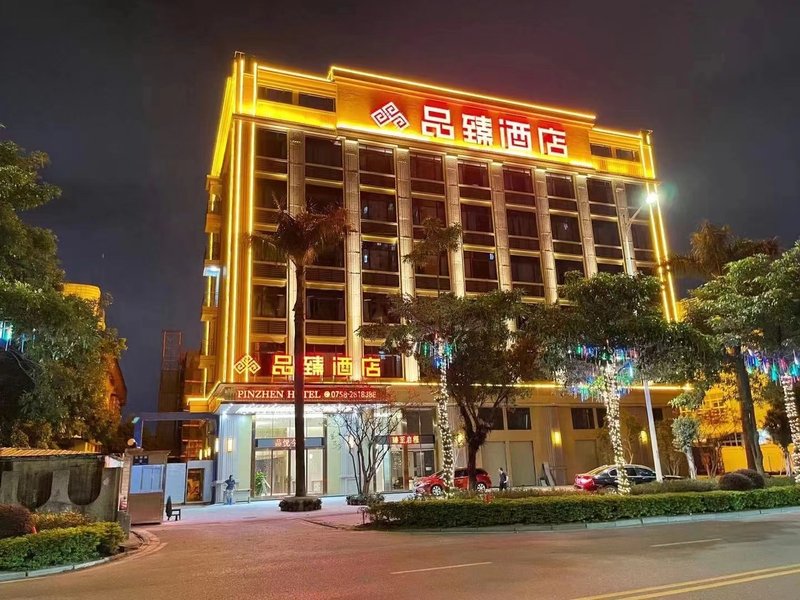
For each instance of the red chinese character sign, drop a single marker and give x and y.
(403, 439)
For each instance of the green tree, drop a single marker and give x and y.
(753, 310)
(437, 242)
(301, 239)
(27, 253)
(712, 247)
(611, 332)
(685, 432)
(484, 360)
(54, 354)
(62, 353)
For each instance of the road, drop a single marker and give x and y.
(252, 556)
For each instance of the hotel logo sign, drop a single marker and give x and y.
(389, 113)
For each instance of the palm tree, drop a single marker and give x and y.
(301, 239)
(437, 241)
(712, 247)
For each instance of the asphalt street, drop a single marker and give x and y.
(263, 557)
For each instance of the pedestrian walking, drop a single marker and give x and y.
(230, 486)
(503, 480)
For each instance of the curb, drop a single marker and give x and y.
(621, 524)
(144, 541)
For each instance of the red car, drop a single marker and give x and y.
(434, 484)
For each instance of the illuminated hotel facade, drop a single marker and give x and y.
(538, 190)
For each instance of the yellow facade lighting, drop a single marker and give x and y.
(458, 92)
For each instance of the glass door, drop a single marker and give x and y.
(271, 473)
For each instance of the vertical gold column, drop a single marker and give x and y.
(545, 237)
(353, 300)
(405, 231)
(454, 218)
(587, 234)
(621, 200)
(295, 203)
(500, 226)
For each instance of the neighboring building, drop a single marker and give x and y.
(539, 191)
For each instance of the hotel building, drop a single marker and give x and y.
(539, 191)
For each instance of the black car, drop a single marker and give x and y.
(606, 476)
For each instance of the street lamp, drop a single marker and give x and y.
(650, 200)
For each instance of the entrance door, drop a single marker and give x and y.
(423, 463)
(274, 467)
(194, 485)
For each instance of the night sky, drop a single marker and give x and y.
(124, 96)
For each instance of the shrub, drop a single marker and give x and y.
(44, 521)
(735, 481)
(675, 485)
(754, 476)
(60, 546)
(577, 508)
(295, 504)
(363, 500)
(780, 480)
(15, 520)
(513, 493)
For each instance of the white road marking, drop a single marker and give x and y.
(689, 542)
(441, 568)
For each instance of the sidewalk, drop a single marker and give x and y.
(334, 512)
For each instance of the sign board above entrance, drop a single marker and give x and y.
(320, 394)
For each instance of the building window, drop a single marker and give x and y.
(474, 174)
(324, 151)
(270, 193)
(378, 207)
(518, 418)
(494, 416)
(626, 154)
(269, 302)
(522, 223)
(636, 196)
(606, 233)
(275, 95)
(517, 180)
(331, 257)
(213, 246)
(560, 186)
(391, 364)
(426, 166)
(422, 209)
(612, 268)
(582, 418)
(658, 414)
(565, 266)
(480, 265)
(600, 190)
(316, 102)
(378, 309)
(325, 305)
(419, 422)
(376, 160)
(641, 236)
(601, 150)
(429, 268)
(565, 229)
(323, 199)
(379, 256)
(271, 144)
(476, 218)
(526, 269)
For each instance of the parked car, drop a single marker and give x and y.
(606, 476)
(435, 486)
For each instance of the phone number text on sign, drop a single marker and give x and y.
(351, 395)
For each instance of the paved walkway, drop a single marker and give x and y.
(334, 512)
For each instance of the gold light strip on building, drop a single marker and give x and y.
(250, 209)
(292, 73)
(636, 136)
(236, 219)
(458, 92)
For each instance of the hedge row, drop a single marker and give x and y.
(60, 546)
(586, 508)
(44, 521)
